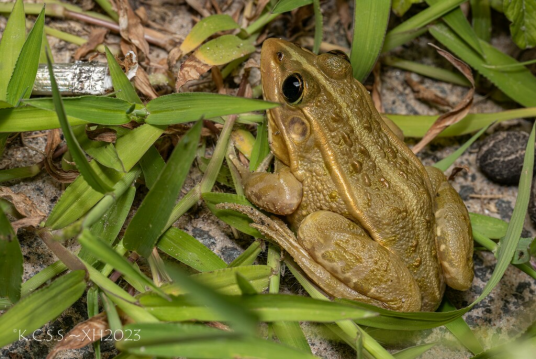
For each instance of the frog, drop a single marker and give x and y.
(364, 218)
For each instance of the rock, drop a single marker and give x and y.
(501, 156)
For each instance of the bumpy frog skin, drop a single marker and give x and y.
(373, 223)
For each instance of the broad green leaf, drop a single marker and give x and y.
(401, 6)
(461, 330)
(288, 5)
(92, 109)
(458, 23)
(188, 250)
(488, 226)
(41, 306)
(522, 14)
(371, 18)
(237, 220)
(10, 261)
(446, 162)
(268, 308)
(124, 89)
(170, 340)
(11, 44)
(23, 77)
(151, 218)
(19, 173)
(240, 318)
(23, 119)
(192, 106)
(224, 280)
(519, 85)
(414, 352)
(420, 20)
(318, 26)
(205, 28)
(481, 18)
(224, 49)
(416, 126)
(261, 148)
(79, 197)
(247, 257)
(425, 70)
(102, 250)
(152, 165)
(91, 177)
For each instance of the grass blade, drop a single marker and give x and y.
(461, 330)
(318, 26)
(13, 39)
(190, 106)
(151, 218)
(414, 352)
(10, 261)
(261, 148)
(151, 165)
(481, 17)
(247, 257)
(288, 5)
(224, 49)
(124, 89)
(205, 28)
(40, 307)
(19, 173)
(23, 77)
(370, 25)
(96, 182)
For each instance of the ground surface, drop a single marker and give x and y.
(509, 309)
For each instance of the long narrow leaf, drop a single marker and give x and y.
(13, 39)
(205, 28)
(124, 89)
(10, 261)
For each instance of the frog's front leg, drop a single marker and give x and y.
(454, 236)
(346, 251)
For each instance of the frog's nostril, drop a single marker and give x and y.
(280, 56)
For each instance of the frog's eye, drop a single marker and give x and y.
(340, 54)
(293, 89)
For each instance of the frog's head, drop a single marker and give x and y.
(304, 84)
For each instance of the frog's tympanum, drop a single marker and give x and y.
(373, 224)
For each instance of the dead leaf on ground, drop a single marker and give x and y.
(457, 113)
(30, 215)
(102, 134)
(191, 69)
(130, 26)
(261, 5)
(218, 80)
(143, 84)
(199, 6)
(62, 176)
(457, 170)
(85, 333)
(343, 8)
(377, 88)
(424, 93)
(96, 37)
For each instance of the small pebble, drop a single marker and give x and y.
(501, 156)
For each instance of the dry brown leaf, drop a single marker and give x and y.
(96, 37)
(62, 176)
(107, 135)
(32, 216)
(218, 80)
(457, 170)
(173, 56)
(424, 93)
(215, 6)
(130, 26)
(191, 69)
(142, 14)
(457, 113)
(261, 5)
(142, 83)
(344, 12)
(83, 334)
(199, 6)
(377, 88)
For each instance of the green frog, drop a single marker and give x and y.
(373, 224)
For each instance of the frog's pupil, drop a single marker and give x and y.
(293, 88)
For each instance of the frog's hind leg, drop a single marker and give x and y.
(454, 236)
(345, 250)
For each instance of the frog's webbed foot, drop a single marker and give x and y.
(454, 236)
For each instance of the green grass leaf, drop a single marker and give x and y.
(151, 218)
(261, 148)
(371, 18)
(91, 177)
(247, 257)
(291, 334)
(102, 152)
(205, 28)
(519, 85)
(92, 109)
(11, 44)
(188, 250)
(414, 352)
(23, 119)
(318, 26)
(169, 340)
(288, 5)
(191, 106)
(461, 330)
(19, 173)
(401, 6)
(488, 226)
(152, 165)
(225, 49)
(481, 18)
(416, 126)
(43, 305)
(124, 89)
(522, 14)
(21, 82)
(10, 261)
